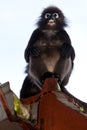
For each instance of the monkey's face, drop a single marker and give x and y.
(52, 18)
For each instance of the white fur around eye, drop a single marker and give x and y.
(55, 15)
(47, 15)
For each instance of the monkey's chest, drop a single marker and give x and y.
(49, 56)
(50, 59)
(49, 53)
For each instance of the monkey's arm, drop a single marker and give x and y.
(67, 49)
(30, 49)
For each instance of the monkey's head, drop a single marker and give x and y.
(52, 18)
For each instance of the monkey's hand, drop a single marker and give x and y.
(31, 51)
(34, 51)
(66, 50)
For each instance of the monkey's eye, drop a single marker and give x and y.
(47, 15)
(55, 15)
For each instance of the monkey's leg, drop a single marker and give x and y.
(64, 68)
(28, 88)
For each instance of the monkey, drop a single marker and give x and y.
(49, 53)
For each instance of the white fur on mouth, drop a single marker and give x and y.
(51, 22)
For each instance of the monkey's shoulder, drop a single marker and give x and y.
(45, 38)
(64, 36)
(49, 39)
(38, 33)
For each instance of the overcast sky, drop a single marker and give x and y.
(18, 20)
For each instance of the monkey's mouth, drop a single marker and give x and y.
(51, 22)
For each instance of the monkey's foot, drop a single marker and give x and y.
(50, 75)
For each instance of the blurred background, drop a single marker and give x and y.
(17, 22)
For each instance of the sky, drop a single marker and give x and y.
(18, 20)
